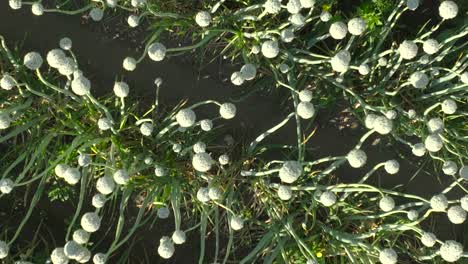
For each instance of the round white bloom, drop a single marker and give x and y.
(237, 78)
(202, 195)
(227, 110)
(383, 125)
(412, 215)
(424, 59)
(418, 149)
(236, 223)
(272, 6)
(464, 172)
(391, 114)
(223, 159)
(81, 85)
(340, 62)
(166, 248)
(58, 256)
(179, 237)
(133, 21)
(364, 69)
(290, 171)
(186, 117)
(146, 129)
(412, 4)
(248, 71)
(72, 176)
(255, 49)
(356, 158)
(80, 236)
(98, 200)
(176, 148)
(202, 162)
(392, 166)
(439, 203)
(284, 192)
(90, 222)
(408, 49)
(65, 43)
(451, 250)
(5, 121)
(307, 3)
(449, 106)
(32, 60)
(96, 14)
(60, 170)
(121, 176)
(68, 67)
(129, 64)
(287, 35)
(419, 79)
(357, 26)
(270, 49)
(383, 62)
(464, 77)
(305, 96)
(15, 4)
(431, 46)
(435, 125)
(411, 113)
(203, 18)
(284, 68)
(456, 214)
(6, 186)
(105, 185)
(464, 202)
(99, 258)
(428, 239)
(4, 249)
(206, 124)
(84, 255)
(37, 9)
(328, 198)
(338, 30)
(84, 160)
(159, 171)
(294, 6)
(387, 203)
(369, 121)
(157, 51)
(433, 143)
(325, 16)
(305, 110)
(163, 212)
(449, 167)
(104, 123)
(448, 9)
(138, 3)
(7, 82)
(388, 256)
(121, 89)
(72, 249)
(215, 193)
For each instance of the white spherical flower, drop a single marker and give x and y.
(81, 85)
(392, 166)
(294, 6)
(133, 21)
(284, 68)
(206, 124)
(227, 110)
(270, 49)
(287, 35)
(325, 16)
(297, 20)
(186, 117)
(7, 82)
(464, 77)
(146, 129)
(328, 198)
(236, 223)
(121, 89)
(104, 124)
(15, 4)
(160, 171)
(65, 43)
(412, 4)
(6, 186)
(419, 79)
(307, 3)
(364, 69)
(199, 147)
(72, 249)
(248, 71)
(202, 162)
(451, 251)
(157, 51)
(464, 202)
(356, 158)
(284, 192)
(37, 9)
(60, 170)
(305, 110)
(382, 62)
(138, 3)
(84, 256)
(84, 160)
(338, 30)
(419, 149)
(99, 258)
(90, 222)
(121, 176)
(72, 176)
(411, 113)
(428, 239)
(237, 78)
(203, 195)
(388, 256)
(68, 67)
(163, 212)
(96, 14)
(105, 185)
(129, 64)
(449, 168)
(5, 121)
(203, 18)
(340, 62)
(449, 106)
(439, 203)
(424, 59)
(448, 9)
(255, 49)
(58, 256)
(464, 172)
(4, 249)
(435, 125)
(456, 214)
(408, 49)
(305, 96)
(369, 120)
(387, 204)
(391, 114)
(272, 6)
(98, 200)
(179, 237)
(80, 236)
(215, 193)
(412, 215)
(166, 248)
(290, 171)
(223, 159)
(431, 46)
(383, 125)
(357, 26)
(176, 148)
(433, 143)
(32, 60)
